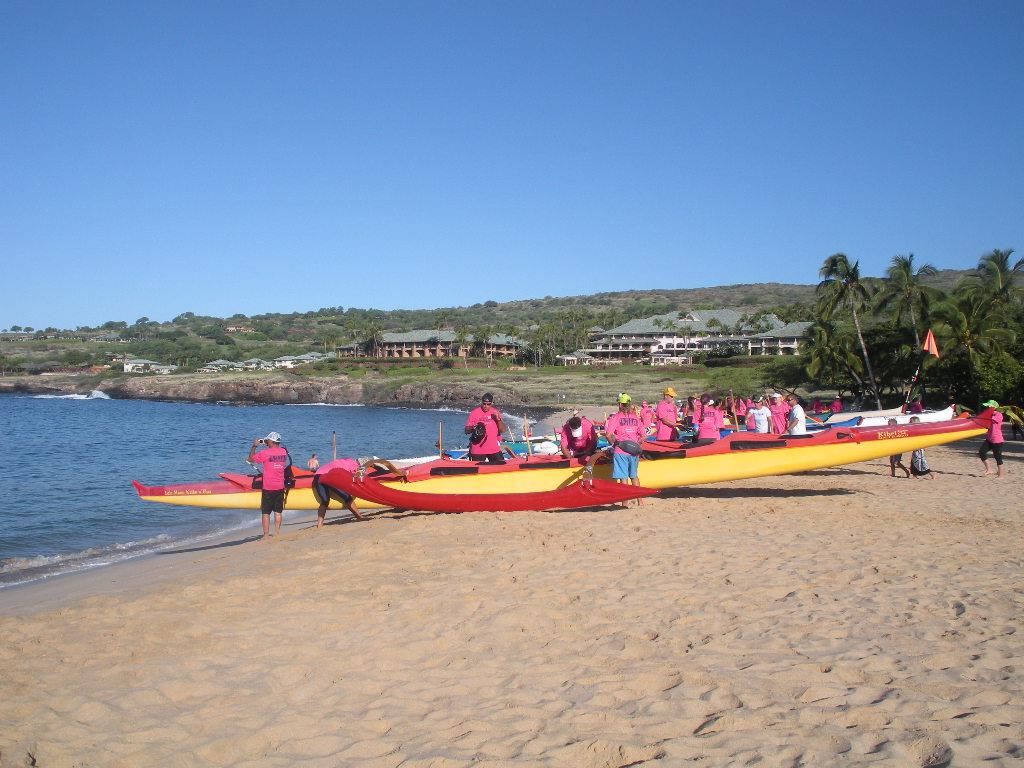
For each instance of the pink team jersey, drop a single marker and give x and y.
(666, 411)
(711, 423)
(780, 417)
(995, 432)
(350, 464)
(492, 436)
(274, 460)
(587, 443)
(625, 426)
(648, 415)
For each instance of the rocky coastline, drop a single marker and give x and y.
(274, 388)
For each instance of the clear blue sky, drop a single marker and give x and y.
(251, 157)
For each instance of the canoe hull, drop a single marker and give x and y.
(739, 456)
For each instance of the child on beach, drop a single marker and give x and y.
(314, 463)
(918, 463)
(896, 460)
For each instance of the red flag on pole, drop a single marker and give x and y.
(929, 345)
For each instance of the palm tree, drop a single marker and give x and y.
(905, 293)
(996, 279)
(373, 336)
(461, 340)
(832, 359)
(972, 328)
(841, 284)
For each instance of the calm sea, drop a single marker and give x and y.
(70, 504)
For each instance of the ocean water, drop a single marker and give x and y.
(70, 460)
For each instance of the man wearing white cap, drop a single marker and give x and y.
(275, 460)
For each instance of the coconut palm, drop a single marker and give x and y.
(832, 357)
(971, 327)
(841, 285)
(996, 279)
(905, 293)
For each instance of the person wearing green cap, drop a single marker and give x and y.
(993, 441)
(625, 429)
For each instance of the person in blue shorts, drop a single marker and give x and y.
(625, 431)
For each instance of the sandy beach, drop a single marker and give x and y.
(839, 617)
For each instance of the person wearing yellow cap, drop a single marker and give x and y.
(667, 416)
(993, 440)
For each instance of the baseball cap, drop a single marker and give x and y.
(711, 401)
(273, 437)
(776, 394)
(624, 398)
(990, 404)
(669, 391)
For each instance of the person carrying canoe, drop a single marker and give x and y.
(324, 493)
(667, 416)
(485, 427)
(625, 431)
(578, 437)
(275, 460)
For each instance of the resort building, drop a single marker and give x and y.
(141, 365)
(675, 338)
(435, 344)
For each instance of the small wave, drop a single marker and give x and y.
(331, 405)
(94, 395)
(20, 570)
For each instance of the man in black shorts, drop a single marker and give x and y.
(274, 457)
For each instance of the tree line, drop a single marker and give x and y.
(867, 334)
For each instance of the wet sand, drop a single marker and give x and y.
(840, 617)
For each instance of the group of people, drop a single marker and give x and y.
(766, 414)
(626, 430)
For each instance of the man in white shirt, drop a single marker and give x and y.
(797, 422)
(759, 417)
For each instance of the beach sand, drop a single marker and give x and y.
(839, 617)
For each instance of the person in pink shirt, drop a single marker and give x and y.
(667, 416)
(694, 408)
(837, 405)
(780, 414)
(711, 422)
(648, 415)
(741, 408)
(324, 493)
(993, 441)
(275, 459)
(485, 427)
(578, 437)
(625, 430)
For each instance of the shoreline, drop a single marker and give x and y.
(838, 617)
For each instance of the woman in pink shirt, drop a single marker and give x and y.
(780, 414)
(711, 422)
(648, 415)
(993, 441)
